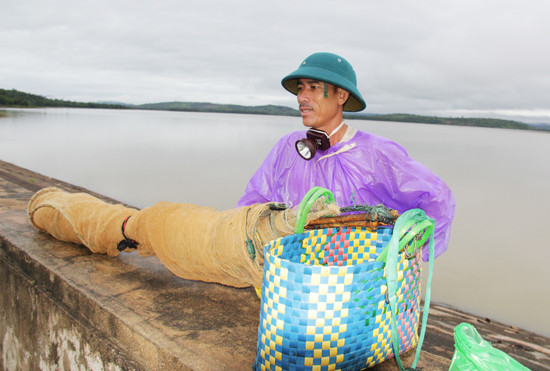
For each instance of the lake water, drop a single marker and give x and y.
(495, 266)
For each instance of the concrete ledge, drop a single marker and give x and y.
(63, 303)
(65, 308)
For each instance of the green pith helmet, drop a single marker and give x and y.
(329, 68)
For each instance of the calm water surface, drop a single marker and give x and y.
(496, 264)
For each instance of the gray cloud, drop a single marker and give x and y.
(430, 57)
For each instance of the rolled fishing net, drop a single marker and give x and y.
(193, 242)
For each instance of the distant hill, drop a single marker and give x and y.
(459, 121)
(222, 108)
(541, 126)
(15, 98)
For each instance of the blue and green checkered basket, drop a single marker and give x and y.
(343, 298)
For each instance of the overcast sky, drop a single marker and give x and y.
(467, 57)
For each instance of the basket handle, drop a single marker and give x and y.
(409, 224)
(307, 202)
(407, 227)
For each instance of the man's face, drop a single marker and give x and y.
(318, 111)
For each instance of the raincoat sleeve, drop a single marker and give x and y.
(392, 177)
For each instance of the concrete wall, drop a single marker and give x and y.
(40, 333)
(63, 308)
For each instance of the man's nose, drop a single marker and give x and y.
(302, 96)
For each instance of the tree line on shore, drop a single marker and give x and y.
(460, 121)
(18, 99)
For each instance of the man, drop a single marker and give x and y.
(359, 168)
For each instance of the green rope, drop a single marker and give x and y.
(401, 231)
(307, 202)
(249, 243)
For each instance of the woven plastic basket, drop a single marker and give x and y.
(325, 298)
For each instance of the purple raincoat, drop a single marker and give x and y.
(366, 169)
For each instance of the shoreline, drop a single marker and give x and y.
(274, 110)
(528, 348)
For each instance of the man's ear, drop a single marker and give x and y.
(342, 95)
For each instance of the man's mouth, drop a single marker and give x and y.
(305, 109)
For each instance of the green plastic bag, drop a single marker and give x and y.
(474, 353)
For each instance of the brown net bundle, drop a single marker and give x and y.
(79, 218)
(194, 242)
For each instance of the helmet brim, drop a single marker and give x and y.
(355, 101)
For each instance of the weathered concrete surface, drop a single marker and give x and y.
(65, 308)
